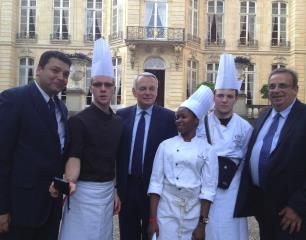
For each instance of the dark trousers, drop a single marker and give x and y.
(48, 231)
(134, 214)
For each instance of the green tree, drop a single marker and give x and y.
(264, 91)
(208, 84)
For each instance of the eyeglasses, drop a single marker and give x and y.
(272, 86)
(100, 84)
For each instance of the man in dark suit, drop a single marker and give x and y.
(33, 133)
(273, 183)
(134, 171)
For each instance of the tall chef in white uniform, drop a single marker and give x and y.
(230, 135)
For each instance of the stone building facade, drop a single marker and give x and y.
(178, 40)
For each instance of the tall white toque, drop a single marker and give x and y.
(200, 102)
(102, 60)
(227, 73)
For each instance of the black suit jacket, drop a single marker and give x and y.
(30, 156)
(286, 181)
(162, 127)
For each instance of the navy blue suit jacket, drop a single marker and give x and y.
(30, 156)
(162, 127)
(286, 181)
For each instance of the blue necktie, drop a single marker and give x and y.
(138, 147)
(264, 155)
(51, 105)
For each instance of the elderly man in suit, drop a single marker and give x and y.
(33, 135)
(273, 183)
(145, 126)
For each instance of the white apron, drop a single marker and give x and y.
(91, 212)
(178, 213)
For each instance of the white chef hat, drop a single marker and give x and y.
(227, 73)
(102, 60)
(200, 101)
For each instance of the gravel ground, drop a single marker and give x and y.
(253, 229)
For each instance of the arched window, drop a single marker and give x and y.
(154, 63)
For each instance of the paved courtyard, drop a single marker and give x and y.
(253, 229)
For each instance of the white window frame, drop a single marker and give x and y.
(217, 15)
(192, 76)
(61, 10)
(247, 23)
(279, 16)
(116, 19)
(155, 31)
(26, 33)
(213, 72)
(24, 70)
(87, 83)
(193, 28)
(117, 63)
(94, 35)
(249, 84)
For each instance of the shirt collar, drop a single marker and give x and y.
(43, 93)
(148, 110)
(284, 113)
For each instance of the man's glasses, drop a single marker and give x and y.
(100, 84)
(272, 86)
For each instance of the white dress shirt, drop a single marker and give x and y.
(60, 124)
(254, 160)
(147, 117)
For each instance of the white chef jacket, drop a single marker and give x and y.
(183, 173)
(228, 141)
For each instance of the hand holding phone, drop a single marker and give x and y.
(61, 185)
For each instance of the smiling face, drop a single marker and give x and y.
(102, 89)
(145, 91)
(186, 122)
(53, 77)
(282, 91)
(225, 100)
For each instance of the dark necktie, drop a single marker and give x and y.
(138, 147)
(51, 105)
(264, 155)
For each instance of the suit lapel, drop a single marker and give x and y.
(42, 109)
(130, 124)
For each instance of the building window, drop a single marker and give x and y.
(61, 20)
(247, 23)
(279, 24)
(278, 65)
(27, 20)
(116, 28)
(211, 72)
(93, 20)
(215, 11)
(117, 63)
(193, 28)
(87, 78)
(156, 19)
(26, 70)
(247, 86)
(192, 76)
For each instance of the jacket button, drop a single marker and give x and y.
(225, 167)
(177, 178)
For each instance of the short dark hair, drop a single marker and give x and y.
(45, 57)
(291, 72)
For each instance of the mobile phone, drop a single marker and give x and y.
(61, 185)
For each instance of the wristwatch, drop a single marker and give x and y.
(203, 220)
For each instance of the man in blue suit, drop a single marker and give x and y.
(134, 171)
(273, 182)
(33, 135)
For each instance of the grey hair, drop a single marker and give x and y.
(144, 74)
